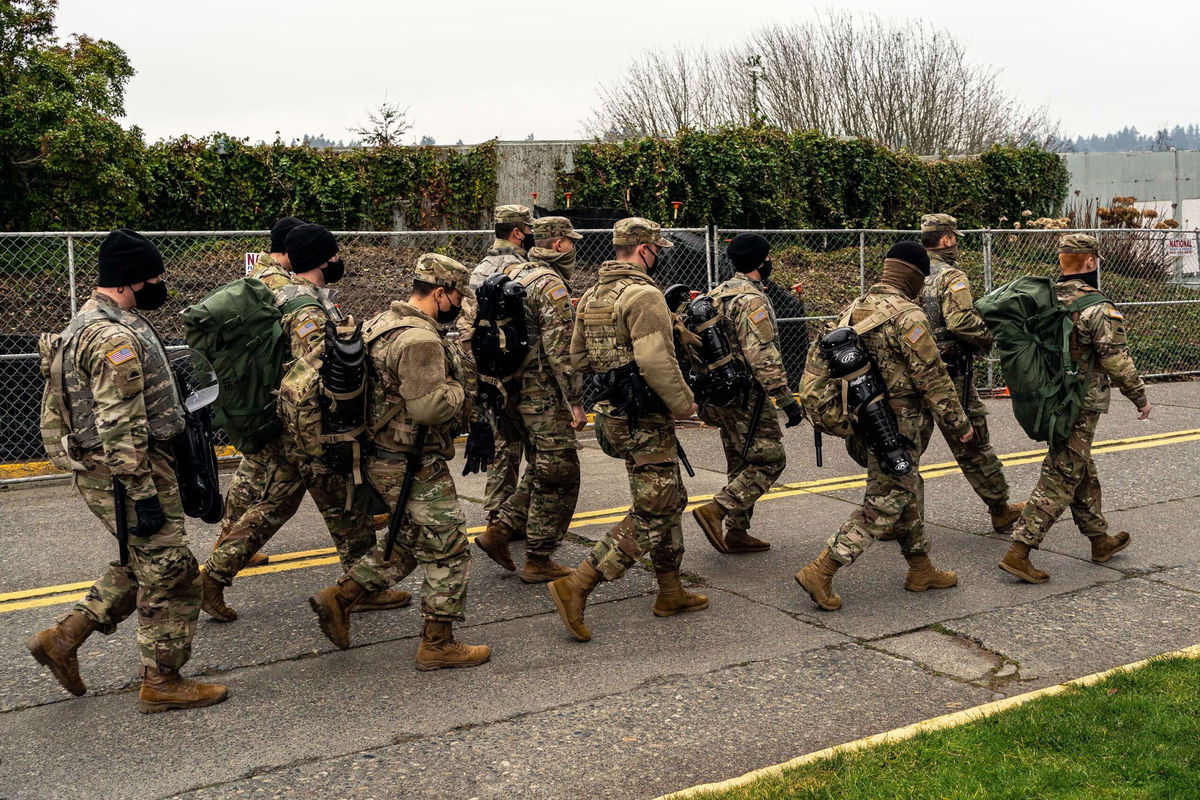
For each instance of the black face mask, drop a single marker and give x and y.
(333, 271)
(660, 258)
(1092, 278)
(527, 242)
(449, 315)
(764, 270)
(151, 296)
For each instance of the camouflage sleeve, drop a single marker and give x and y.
(111, 362)
(556, 320)
(305, 329)
(924, 365)
(417, 363)
(757, 336)
(652, 334)
(579, 354)
(1106, 325)
(958, 309)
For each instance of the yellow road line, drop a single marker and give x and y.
(50, 595)
(936, 723)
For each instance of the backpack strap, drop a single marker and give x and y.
(1077, 307)
(294, 304)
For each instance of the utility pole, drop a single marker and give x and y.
(755, 69)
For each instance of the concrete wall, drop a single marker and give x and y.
(526, 167)
(1171, 176)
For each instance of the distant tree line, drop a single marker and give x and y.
(1130, 139)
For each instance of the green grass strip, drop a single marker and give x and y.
(1133, 735)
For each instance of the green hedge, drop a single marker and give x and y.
(767, 178)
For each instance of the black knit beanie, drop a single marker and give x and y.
(309, 246)
(913, 253)
(127, 257)
(280, 231)
(747, 251)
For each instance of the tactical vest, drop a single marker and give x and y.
(727, 293)
(286, 289)
(931, 304)
(164, 412)
(389, 426)
(598, 315)
(498, 259)
(871, 321)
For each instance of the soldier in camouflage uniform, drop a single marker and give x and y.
(545, 405)
(960, 333)
(898, 334)
(623, 320)
(417, 384)
(1068, 476)
(514, 239)
(725, 519)
(267, 489)
(110, 405)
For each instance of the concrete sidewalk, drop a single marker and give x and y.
(649, 705)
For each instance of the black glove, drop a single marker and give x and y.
(481, 447)
(150, 517)
(795, 414)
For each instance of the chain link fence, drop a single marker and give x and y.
(46, 277)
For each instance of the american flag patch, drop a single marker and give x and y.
(559, 293)
(758, 316)
(958, 287)
(120, 355)
(1112, 312)
(305, 328)
(915, 334)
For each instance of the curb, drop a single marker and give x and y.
(933, 724)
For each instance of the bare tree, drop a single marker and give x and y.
(385, 126)
(903, 83)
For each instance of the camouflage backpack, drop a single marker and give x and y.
(825, 399)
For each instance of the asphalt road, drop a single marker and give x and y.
(649, 705)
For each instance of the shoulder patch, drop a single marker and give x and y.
(1114, 313)
(914, 335)
(305, 328)
(120, 355)
(758, 315)
(559, 293)
(958, 286)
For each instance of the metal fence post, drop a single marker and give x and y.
(862, 263)
(987, 287)
(710, 245)
(1099, 276)
(71, 271)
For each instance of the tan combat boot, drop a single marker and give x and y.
(673, 598)
(258, 560)
(494, 543)
(56, 648)
(332, 607)
(380, 521)
(438, 649)
(740, 541)
(710, 517)
(570, 596)
(923, 575)
(166, 690)
(1016, 562)
(817, 579)
(382, 601)
(1105, 547)
(542, 569)
(1003, 516)
(213, 599)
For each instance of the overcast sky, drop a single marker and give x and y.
(474, 70)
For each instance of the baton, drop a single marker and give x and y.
(412, 463)
(683, 459)
(119, 498)
(817, 445)
(755, 416)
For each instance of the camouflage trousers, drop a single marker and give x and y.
(433, 537)
(765, 461)
(659, 497)
(504, 473)
(161, 581)
(266, 492)
(1068, 478)
(977, 458)
(545, 498)
(891, 503)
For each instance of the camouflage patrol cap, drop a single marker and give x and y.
(512, 215)
(938, 222)
(635, 230)
(443, 271)
(1079, 243)
(554, 228)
